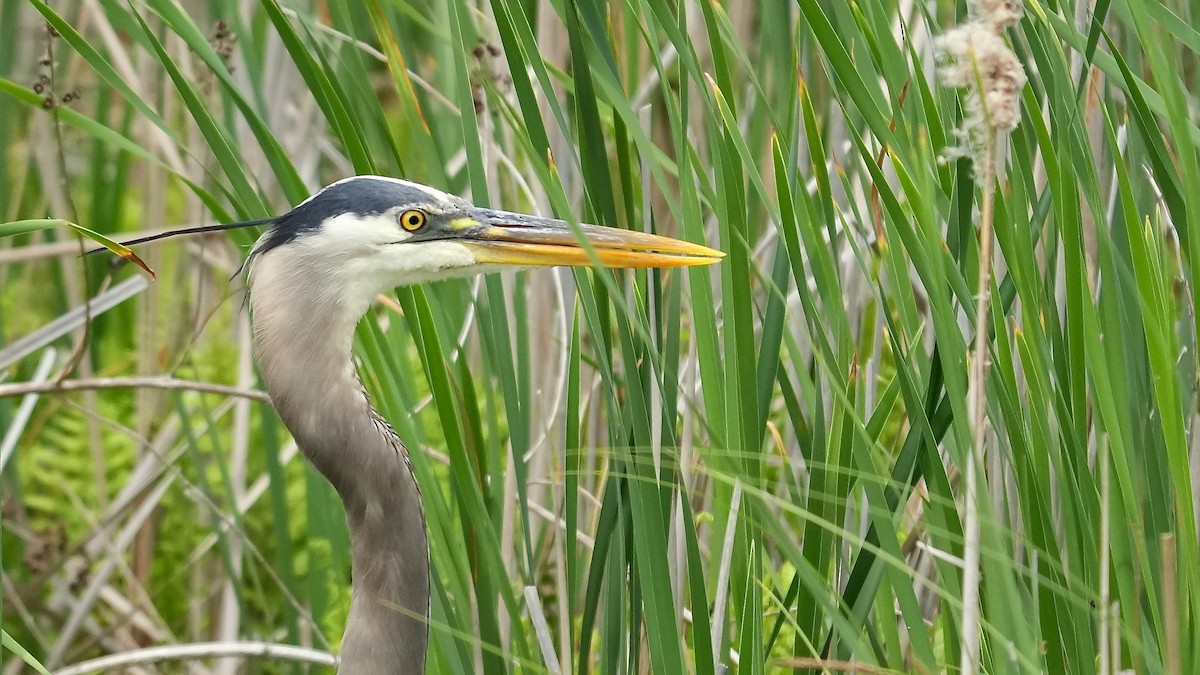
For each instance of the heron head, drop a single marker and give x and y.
(374, 233)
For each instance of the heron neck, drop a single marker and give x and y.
(303, 342)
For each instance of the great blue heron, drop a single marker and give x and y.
(312, 276)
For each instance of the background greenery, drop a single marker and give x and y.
(753, 467)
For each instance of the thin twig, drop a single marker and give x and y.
(148, 382)
(977, 400)
(200, 650)
(53, 103)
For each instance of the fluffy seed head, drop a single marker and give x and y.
(999, 13)
(975, 57)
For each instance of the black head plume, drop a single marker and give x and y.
(192, 230)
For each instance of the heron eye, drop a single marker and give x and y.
(413, 220)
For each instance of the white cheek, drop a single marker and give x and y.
(428, 261)
(352, 259)
(380, 268)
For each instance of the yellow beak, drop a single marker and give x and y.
(501, 237)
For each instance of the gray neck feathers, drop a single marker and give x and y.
(302, 334)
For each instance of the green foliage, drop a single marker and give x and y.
(758, 465)
(21, 653)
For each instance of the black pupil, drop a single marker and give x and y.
(414, 219)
